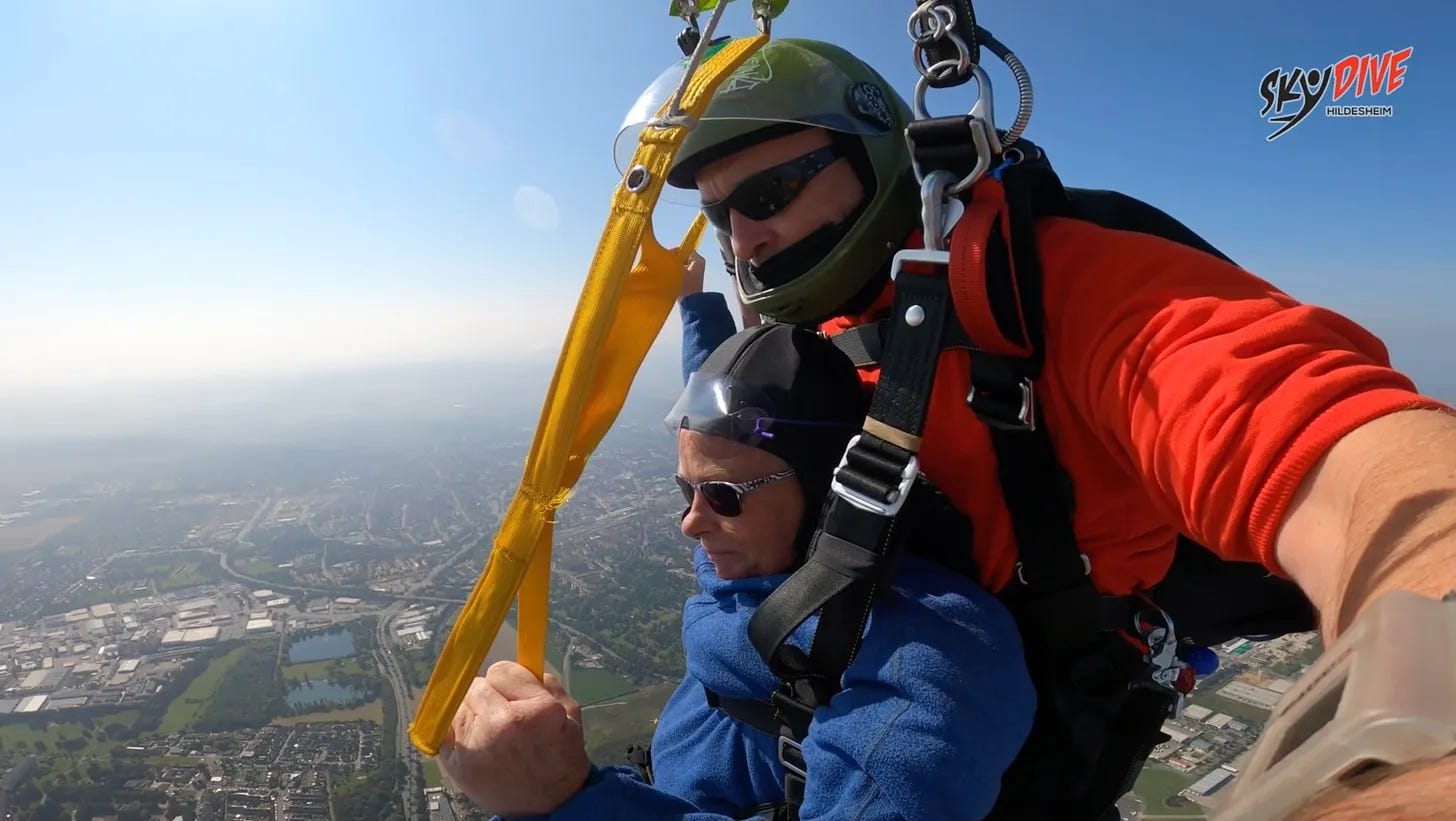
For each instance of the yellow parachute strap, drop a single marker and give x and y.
(618, 316)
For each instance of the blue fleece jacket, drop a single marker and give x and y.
(932, 711)
(706, 323)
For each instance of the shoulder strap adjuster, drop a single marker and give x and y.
(1002, 392)
(1021, 575)
(791, 755)
(1007, 412)
(888, 498)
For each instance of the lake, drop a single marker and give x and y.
(320, 694)
(336, 645)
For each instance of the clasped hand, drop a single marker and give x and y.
(516, 745)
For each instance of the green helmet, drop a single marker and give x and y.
(789, 84)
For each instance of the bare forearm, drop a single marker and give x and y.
(1378, 514)
(1420, 792)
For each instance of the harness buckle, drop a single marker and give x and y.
(926, 255)
(1021, 570)
(1024, 416)
(887, 508)
(786, 745)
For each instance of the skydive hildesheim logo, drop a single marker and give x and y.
(1381, 74)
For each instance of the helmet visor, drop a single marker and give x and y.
(730, 408)
(781, 83)
(723, 406)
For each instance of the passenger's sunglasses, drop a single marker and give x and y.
(726, 498)
(771, 190)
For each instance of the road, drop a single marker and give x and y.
(326, 591)
(470, 543)
(404, 710)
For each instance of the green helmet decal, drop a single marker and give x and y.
(791, 83)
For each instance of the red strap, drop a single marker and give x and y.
(968, 245)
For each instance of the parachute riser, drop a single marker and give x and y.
(764, 11)
(700, 43)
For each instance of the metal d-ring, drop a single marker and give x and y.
(637, 178)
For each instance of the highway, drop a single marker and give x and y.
(404, 710)
(326, 591)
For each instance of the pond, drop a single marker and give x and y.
(321, 694)
(335, 645)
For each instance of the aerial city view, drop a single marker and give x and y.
(259, 645)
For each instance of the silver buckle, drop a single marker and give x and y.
(865, 503)
(1023, 415)
(1086, 569)
(785, 741)
(932, 256)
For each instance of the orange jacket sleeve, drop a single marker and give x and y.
(1219, 390)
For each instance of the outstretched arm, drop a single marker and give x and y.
(1377, 513)
(1277, 432)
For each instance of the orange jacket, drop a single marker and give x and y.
(1181, 393)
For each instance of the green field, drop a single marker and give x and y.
(432, 773)
(589, 685)
(11, 735)
(263, 569)
(23, 736)
(321, 670)
(67, 741)
(612, 726)
(1158, 784)
(185, 708)
(181, 577)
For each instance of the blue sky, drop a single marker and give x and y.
(250, 186)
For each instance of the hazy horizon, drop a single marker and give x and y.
(257, 406)
(253, 405)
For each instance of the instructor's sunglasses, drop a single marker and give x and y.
(771, 190)
(726, 498)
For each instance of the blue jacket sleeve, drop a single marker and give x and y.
(933, 710)
(706, 322)
(613, 793)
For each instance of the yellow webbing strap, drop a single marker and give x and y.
(618, 317)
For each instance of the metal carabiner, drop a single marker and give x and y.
(982, 126)
(932, 208)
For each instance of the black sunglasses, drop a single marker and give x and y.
(771, 190)
(726, 498)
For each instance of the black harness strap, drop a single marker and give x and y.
(640, 757)
(863, 344)
(851, 547)
(855, 550)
